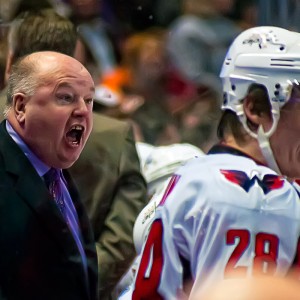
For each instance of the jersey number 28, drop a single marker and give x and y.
(265, 252)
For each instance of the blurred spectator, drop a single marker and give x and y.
(198, 120)
(198, 40)
(197, 44)
(10, 9)
(99, 43)
(145, 75)
(107, 173)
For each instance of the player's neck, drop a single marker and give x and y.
(249, 146)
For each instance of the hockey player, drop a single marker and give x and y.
(158, 164)
(233, 213)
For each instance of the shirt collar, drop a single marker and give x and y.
(39, 166)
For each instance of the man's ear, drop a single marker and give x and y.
(18, 103)
(255, 116)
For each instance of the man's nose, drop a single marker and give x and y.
(82, 108)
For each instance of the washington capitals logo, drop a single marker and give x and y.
(268, 183)
(263, 40)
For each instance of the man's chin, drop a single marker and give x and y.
(66, 162)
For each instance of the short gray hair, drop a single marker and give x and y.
(22, 79)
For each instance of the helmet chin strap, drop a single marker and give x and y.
(264, 144)
(263, 137)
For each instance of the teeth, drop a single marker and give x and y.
(75, 133)
(77, 127)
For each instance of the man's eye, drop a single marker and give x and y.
(89, 101)
(65, 97)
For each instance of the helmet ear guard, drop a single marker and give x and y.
(275, 114)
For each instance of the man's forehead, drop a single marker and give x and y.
(47, 60)
(63, 72)
(52, 67)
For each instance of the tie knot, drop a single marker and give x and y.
(53, 175)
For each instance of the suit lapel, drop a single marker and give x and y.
(31, 189)
(88, 240)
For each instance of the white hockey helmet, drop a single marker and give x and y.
(265, 55)
(160, 162)
(143, 151)
(269, 56)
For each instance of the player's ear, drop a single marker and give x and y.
(257, 112)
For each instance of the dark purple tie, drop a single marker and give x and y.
(53, 182)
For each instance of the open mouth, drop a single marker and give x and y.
(74, 135)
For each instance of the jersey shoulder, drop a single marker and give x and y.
(231, 180)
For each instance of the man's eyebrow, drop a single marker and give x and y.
(67, 84)
(64, 84)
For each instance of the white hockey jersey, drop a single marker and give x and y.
(224, 215)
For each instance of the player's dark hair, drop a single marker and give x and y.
(230, 122)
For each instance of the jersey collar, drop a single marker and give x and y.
(224, 149)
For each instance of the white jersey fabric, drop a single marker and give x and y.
(226, 216)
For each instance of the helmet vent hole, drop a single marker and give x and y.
(281, 48)
(225, 99)
(233, 87)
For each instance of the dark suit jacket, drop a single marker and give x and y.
(113, 189)
(39, 258)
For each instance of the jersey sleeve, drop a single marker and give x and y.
(160, 273)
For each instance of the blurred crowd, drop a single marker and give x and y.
(150, 59)
(156, 65)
